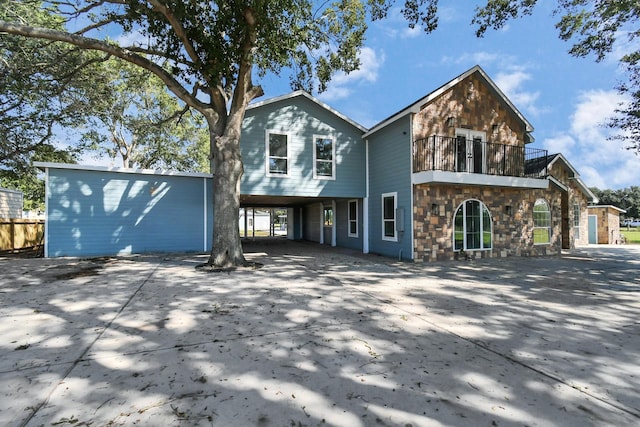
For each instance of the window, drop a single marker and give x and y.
(576, 221)
(389, 205)
(353, 218)
(328, 217)
(541, 223)
(472, 227)
(323, 157)
(277, 154)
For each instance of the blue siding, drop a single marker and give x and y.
(390, 171)
(342, 226)
(105, 213)
(301, 119)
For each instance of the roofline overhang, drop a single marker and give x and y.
(415, 107)
(306, 94)
(607, 206)
(159, 172)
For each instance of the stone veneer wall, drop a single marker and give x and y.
(472, 105)
(511, 212)
(608, 224)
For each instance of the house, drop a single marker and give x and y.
(450, 176)
(455, 176)
(604, 225)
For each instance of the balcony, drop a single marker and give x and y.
(473, 161)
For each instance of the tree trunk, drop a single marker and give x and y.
(227, 171)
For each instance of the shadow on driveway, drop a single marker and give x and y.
(321, 336)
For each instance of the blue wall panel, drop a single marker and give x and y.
(390, 171)
(301, 118)
(105, 213)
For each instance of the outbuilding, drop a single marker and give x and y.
(604, 225)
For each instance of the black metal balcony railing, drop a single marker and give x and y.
(447, 154)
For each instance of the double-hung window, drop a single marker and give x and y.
(389, 205)
(541, 223)
(277, 148)
(323, 157)
(353, 218)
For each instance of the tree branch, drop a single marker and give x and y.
(179, 30)
(88, 43)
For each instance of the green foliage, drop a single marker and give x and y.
(626, 198)
(33, 73)
(129, 114)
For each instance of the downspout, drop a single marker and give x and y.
(204, 213)
(365, 202)
(47, 192)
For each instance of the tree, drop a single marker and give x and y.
(33, 75)
(207, 54)
(129, 114)
(626, 198)
(596, 27)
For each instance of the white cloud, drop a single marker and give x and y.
(559, 144)
(341, 85)
(511, 83)
(600, 162)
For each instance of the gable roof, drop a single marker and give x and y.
(415, 107)
(305, 94)
(541, 165)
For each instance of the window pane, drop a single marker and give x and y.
(389, 207)
(486, 228)
(541, 235)
(353, 210)
(473, 224)
(324, 149)
(458, 233)
(278, 166)
(277, 145)
(324, 168)
(389, 229)
(353, 227)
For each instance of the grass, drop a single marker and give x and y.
(632, 236)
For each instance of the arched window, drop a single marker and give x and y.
(472, 226)
(541, 223)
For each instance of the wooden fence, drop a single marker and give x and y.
(17, 234)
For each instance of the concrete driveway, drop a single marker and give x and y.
(321, 337)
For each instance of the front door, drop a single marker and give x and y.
(470, 155)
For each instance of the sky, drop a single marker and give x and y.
(566, 99)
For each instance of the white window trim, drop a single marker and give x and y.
(267, 153)
(333, 158)
(463, 206)
(395, 209)
(349, 220)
